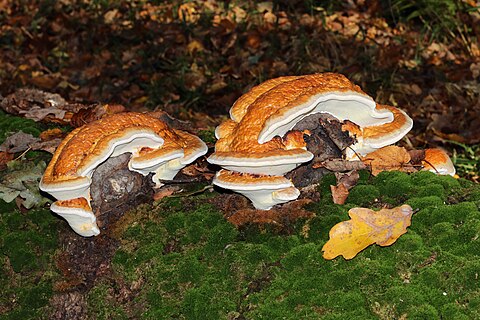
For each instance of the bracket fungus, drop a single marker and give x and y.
(437, 161)
(264, 191)
(155, 147)
(261, 141)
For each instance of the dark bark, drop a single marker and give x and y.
(326, 141)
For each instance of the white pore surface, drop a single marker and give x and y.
(273, 166)
(81, 187)
(357, 108)
(66, 191)
(82, 222)
(266, 199)
(128, 143)
(263, 195)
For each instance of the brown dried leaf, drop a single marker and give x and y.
(188, 12)
(48, 146)
(165, 191)
(417, 156)
(39, 105)
(5, 157)
(339, 193)
(366, 227)
(389, 158)
(95, 112)
(18, 142)
(47, 82)
(51, 134)
(339, 165)
(349, 179)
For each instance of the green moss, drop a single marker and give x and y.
(431, 190)
(425, 311)
(206, 303)
(445, 234)
(363, 195)
(423, 178)
(208, 135)
(409, 242)
(327, 181)
(299, 255)
(102, 305)
(456, 214)
(10, 124)
(394, 184)
(425, 202)
(27, 243)
(453, 311)
(196, 265)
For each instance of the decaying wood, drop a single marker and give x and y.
(326, 141)
(115, 189)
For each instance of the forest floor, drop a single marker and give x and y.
(180, 257)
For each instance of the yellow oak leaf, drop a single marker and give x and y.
(389, 158)
(366, 227)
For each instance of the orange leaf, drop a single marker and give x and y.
(366, 227)
(165, 191)
(4, 158)
(389, 158)
(51, 134)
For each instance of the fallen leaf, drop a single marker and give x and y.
(94, 112)
(187, 12)
(165, 191)
(265, 6)
(254, 40)
(339, 193)
(21, 180)
(389, 158)
(51, 134)
(349, 179)
(366, 227)
(195, 46)
(48, 81)
(110, 16)
(49, 146)
(5, 157)
(18, 142)
(339, 165)
(40, 106)
(417, 156)
(345, 181)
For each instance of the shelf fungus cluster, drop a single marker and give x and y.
(154, 146)
(267, 133)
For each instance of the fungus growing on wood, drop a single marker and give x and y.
(264, 135)
(155, 148)
(371, 138)
(437, 161)
(263, 191)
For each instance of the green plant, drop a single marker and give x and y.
(439, 18)
(467, 160)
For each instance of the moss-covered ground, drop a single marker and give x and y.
(181, 259)
(193, 264)
(28, 241)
